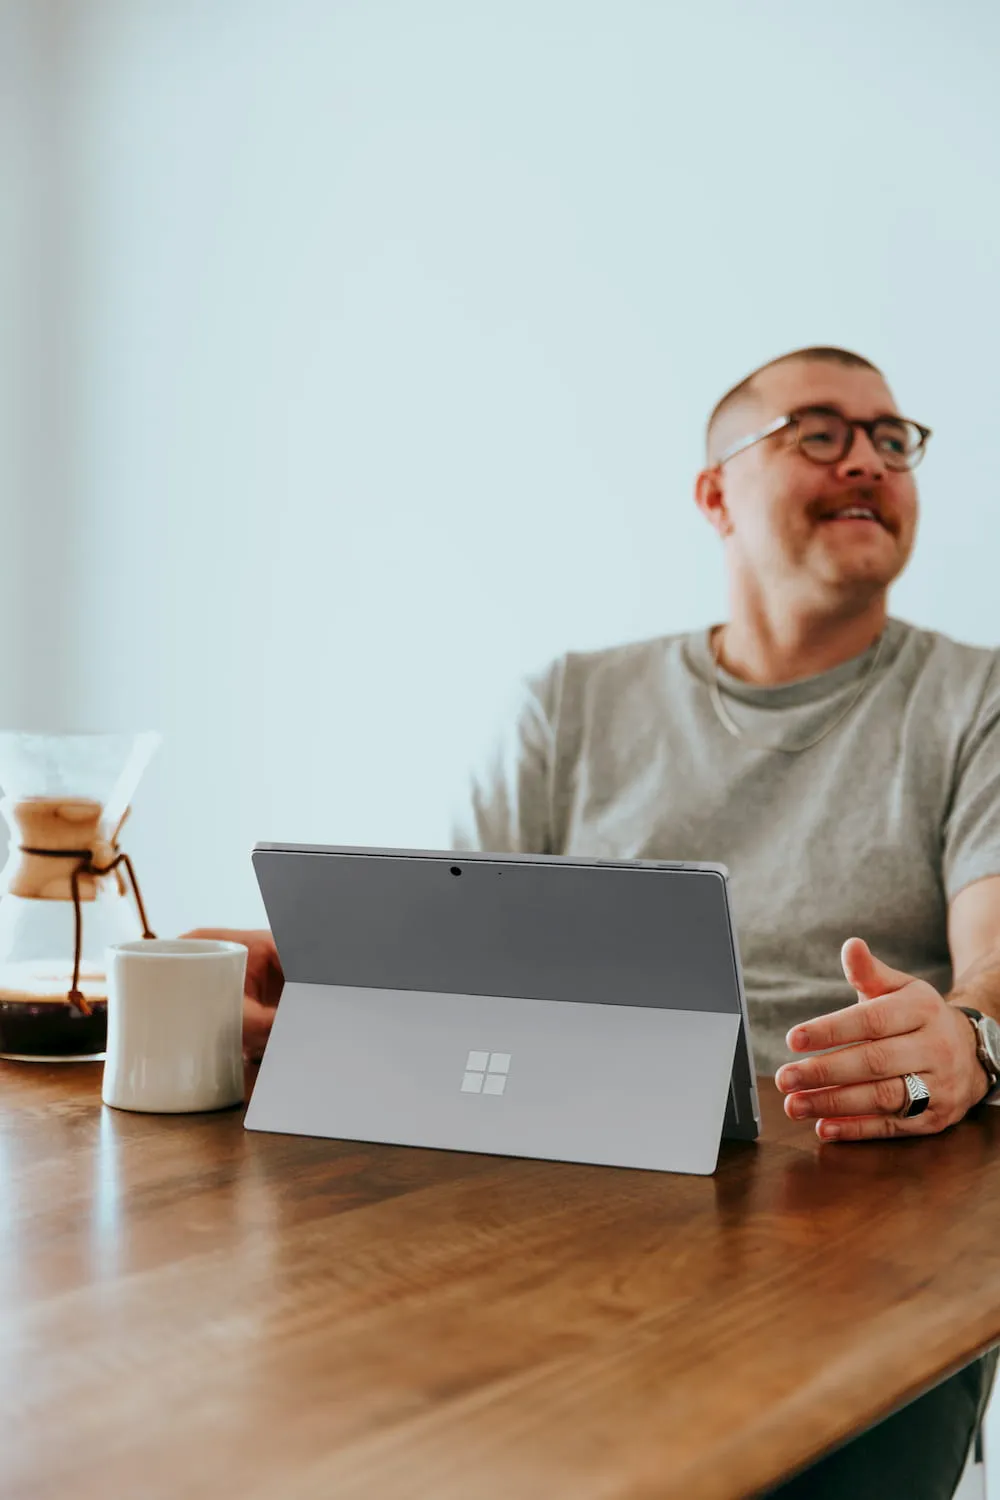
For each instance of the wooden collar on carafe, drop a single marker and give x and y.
(101, 859)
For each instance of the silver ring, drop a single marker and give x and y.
(918, 1096)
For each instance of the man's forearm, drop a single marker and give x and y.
(979, 986)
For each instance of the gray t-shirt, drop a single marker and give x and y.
(870, 833)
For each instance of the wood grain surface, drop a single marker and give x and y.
(191, 1311)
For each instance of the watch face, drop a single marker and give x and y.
(989, 1030)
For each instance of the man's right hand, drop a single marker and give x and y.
(262, 987)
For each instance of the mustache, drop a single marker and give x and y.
(855, 494)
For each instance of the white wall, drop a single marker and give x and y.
(38, 358)
(394, 331)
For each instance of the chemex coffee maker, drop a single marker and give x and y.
(68, 891)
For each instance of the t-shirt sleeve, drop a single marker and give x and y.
(972, 831)
(505, 806)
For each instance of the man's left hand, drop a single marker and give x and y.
(902, 1026)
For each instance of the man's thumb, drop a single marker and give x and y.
(868, 974)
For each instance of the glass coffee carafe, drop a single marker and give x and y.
(67, 890)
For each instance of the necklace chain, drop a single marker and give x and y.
(727, 722)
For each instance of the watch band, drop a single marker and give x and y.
(992, 1076)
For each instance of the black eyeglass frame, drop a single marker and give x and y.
(850, 423)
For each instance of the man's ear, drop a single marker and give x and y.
(710, 498)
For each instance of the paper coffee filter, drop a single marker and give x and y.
(104, 767)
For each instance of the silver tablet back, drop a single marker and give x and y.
(520, 1005)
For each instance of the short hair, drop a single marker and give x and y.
(746, 387)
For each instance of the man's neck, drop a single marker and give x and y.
(768, 651)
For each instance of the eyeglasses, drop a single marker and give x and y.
(826, 436)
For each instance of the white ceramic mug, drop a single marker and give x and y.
(175, 1025)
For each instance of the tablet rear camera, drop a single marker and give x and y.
(456, 870)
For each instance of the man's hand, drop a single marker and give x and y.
(262, 986)
(902, 1026)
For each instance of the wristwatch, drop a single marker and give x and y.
(987, 1049)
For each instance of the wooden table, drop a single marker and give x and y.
(188, 1310)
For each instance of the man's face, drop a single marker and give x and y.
(778, 509)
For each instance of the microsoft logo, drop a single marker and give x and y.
(486, 1073)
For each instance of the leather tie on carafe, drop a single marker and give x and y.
(87, 867)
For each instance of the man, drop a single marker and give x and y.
(843, 764)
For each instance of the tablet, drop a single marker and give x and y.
(520, 1005)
